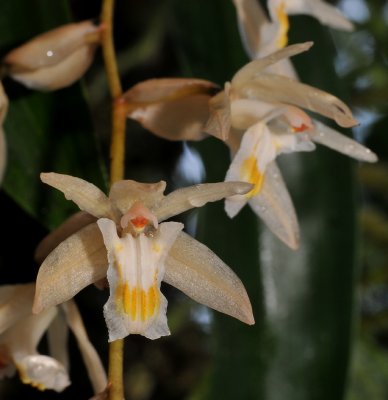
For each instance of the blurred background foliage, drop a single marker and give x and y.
(312, 306)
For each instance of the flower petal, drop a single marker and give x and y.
(329, 137)
(72, 225)
(60, 75)
(195, 270)
(77, 262)
(123, 194)
(219, 121)
(22, 339)
(197, 196)
(280, 89)
(91, 358)
(249, 164)
(177, 119)
(251, 18)
(43, 372)
(274, 206)
(88, 197)
(136, 268)
(324, 12)
(165, 89)
(51, 47)
(257, 67)
(15, 303)
(57, 339)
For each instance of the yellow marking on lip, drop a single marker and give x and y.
(156, 247)
(284, 26)
(119, 247)
(251, 173)
(128, 299)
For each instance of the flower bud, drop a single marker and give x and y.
(54, 59)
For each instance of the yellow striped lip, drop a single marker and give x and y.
(250, 173)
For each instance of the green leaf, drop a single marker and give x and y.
(45, 131)
(303, 300)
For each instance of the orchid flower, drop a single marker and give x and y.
(3, 143)
(55, 59)
(260, 116)
(261, 36)
(21, 332)
(132, 246)
(172, 108)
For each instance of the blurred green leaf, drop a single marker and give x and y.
(45, 131)
(303, 301)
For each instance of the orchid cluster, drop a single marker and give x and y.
(125, 240)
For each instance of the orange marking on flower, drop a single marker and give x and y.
(251, 173)
(139, 222)
(301, 128)
(134, 303)
(284, 26)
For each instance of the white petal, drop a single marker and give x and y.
(341, 143)
(199, 273)
(324, 12)
(60, 75)
(21, 340)
(256, 67)
(280, 89)
(77, 262)
(90, 356)
(15, 303)
(72, 225)
(87, 196)
(51, 47)
(251, 18)
(136, 268)
(57, 337)
(274, 206)
(255, 152)
(43, 372)
(197, 196)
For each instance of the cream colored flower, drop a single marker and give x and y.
(261, 36)
(21, 332)
(55, 59)
(136, 250)
(172, 108)
(259, 114)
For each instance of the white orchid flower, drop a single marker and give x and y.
(55, 59)
(21, 332)
(132, 246)
(262, 36)
(260, 115)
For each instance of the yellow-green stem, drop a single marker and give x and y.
(116, 348)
